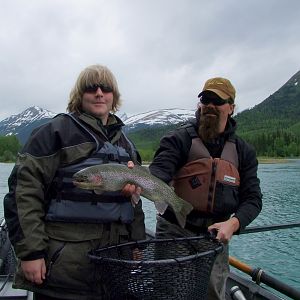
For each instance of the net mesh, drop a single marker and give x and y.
(157, 269)
(8, 265)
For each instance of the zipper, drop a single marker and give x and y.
(211, 190)
(54, 258)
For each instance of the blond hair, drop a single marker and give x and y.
(94, 74)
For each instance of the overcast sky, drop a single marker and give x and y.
(161, 51)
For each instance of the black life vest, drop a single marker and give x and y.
(209, 184)
(71, 204)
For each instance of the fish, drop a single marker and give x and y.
(113, 177)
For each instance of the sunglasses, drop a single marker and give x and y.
(215, 101)
(93, 88)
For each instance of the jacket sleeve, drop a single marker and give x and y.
(25, 204)
(250, 196)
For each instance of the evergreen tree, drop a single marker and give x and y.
(9, 147)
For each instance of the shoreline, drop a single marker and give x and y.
(261, 160)
(275, 160)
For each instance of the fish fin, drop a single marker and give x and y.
(98, 191)
(184, 211)
(135, 198)
(161, 206)
(181, 219)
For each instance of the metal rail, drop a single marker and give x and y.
(262, 228)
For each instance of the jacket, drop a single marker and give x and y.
(173, 154)
(59, 143)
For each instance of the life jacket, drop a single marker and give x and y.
(71, 204)
(209, 184)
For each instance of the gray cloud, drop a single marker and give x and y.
(161, 52)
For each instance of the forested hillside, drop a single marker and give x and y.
(273, 126)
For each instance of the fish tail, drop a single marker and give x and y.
(184, 211)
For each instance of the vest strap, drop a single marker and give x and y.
(94, 198)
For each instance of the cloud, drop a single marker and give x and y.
(161, 52)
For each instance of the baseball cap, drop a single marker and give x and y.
(220, 86)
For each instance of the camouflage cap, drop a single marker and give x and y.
(221, 86)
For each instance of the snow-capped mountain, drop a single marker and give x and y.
(22, 124)
(160, 117)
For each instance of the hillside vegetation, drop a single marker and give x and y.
(147, 140)
(273, 126)
(9, 147)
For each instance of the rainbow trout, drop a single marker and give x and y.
(113, 177)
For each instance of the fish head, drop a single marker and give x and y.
(87, 179)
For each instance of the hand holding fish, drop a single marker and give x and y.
(131, 190)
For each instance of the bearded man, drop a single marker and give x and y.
(213, 169)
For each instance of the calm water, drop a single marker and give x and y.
(277, 252)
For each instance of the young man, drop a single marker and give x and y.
(213, 169)
(52, 224)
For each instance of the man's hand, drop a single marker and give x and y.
(34, 270)
(225, 229)
(131, 190)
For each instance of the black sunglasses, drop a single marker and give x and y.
(215, 101)
(93, 88)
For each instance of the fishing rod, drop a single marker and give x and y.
(260, 276)
(253, 229)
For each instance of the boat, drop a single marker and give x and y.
(238, 287)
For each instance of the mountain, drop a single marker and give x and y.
(158, 118)
(279, 110)
(22, 124)
(272, 127)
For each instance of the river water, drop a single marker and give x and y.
(277, 252)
